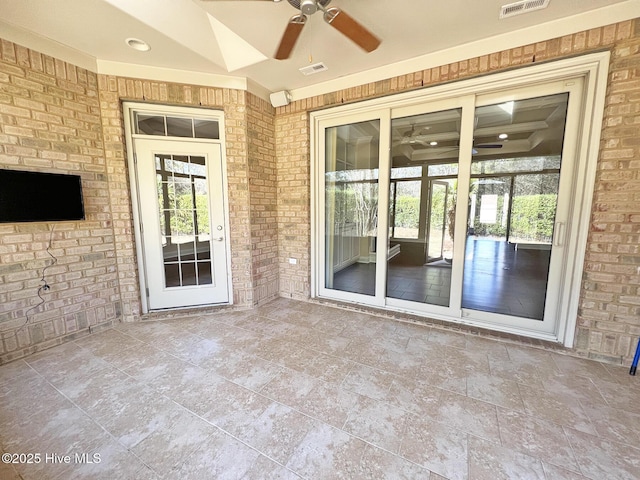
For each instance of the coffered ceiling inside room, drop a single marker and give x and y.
(218, 41)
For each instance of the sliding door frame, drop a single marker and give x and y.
(593, 68)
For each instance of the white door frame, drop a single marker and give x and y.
(593, 68)
(129, 110)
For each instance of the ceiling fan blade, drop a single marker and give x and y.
(290, 37)
(348, 26)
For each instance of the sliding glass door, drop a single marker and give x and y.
(351, 206)
(458, 208)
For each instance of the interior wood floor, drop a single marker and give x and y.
(498, 278)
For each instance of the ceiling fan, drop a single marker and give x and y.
(334, 16)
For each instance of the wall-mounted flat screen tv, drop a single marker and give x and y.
(39, 197)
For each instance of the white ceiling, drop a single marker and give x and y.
(231, 43)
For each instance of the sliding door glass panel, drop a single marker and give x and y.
(424, 168)
(515, 173)
(351, 206)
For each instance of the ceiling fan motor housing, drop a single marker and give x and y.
(308, 7)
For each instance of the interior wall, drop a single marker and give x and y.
(50, 121)
(608, 323)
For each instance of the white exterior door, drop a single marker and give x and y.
(182, 222)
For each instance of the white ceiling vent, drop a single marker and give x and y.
(524, 6)
(315, 68)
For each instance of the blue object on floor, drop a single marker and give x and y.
(634, 364)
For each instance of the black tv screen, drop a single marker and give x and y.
(39, 197)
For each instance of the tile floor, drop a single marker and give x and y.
(298, 390)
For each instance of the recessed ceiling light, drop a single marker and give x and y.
(433, 144)
(502, 136)
(138, 44)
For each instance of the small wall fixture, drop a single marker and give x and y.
(280, 99)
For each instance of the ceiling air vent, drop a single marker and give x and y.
(524, 6)
(315, 68)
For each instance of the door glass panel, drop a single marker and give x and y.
(184, 219)
(515, 174)
(351, 206)
(424, 168)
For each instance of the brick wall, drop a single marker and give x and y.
(50, 122)
(59, 118)
(294, 203)
(262, 192)
(609, 313)
(250, 164)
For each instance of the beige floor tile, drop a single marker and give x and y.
(328, 368)
(266, 469)
(369, 382)
(7, 472)
(327, 453)
(377, 423)
(580, 366)
(522, 370)
(555, 407)
(232, 407)
(329, 403)
(18, 369)
(490, 461)
(133, 418)
(448, 338)
(378, 464)
(621, 395)
(400, 363)
(109, 344)
(245, 369)
(296, 390)
(492, 348)
(575, 386)
(536, 437)
(443, 372)
(466, 414)
(171, 444)
(277, 431)
(599, 458)
(495, 390)
(289, 387)
(62, 363)
(363, 353)
(220, 456)
(147, 363)
(413, 395)
(436, 447)
(264, 325)
(614, 423)
(554, 472)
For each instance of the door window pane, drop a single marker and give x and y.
(424, 168)
(351, 206)
(184, 219)
(515, 173)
